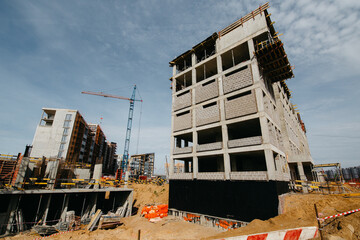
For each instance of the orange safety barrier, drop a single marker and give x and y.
(155, 211)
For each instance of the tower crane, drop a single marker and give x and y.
(132, 100)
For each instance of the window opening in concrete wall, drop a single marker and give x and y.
(47, 118)
(294, 171)
(211, 163)
(183, 165)
(204, 51)
(269, 87)
(210, 135)
(184, 64)
(244, 129)
(235, 56)
(209, 104)
(206, 70)
(183, 81)
(276, 159)
(264, 37)
(183, 113)
(239, 95)
(183, 140)
(308, 170)
(207, 83)
(248, 161)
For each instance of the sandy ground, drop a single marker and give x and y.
(298, 212)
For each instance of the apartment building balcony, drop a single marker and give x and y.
(183, 150)
(240, 105)
(208, 113)
(237, 79)
(206, 91)
(253, 175)
(182, 100)
(209, 147)
(242, 142)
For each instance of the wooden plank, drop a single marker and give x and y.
(94, 220)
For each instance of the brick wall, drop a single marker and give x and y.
(183, 150)
(242, 142)
(207, 114)
(182, 100)
(206, 91)
(238, 80)
(182, 122)
(261, 175)
(240, 106)
(209, 146)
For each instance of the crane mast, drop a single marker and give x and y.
(125, 159)
(124, 162)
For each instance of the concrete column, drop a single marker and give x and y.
(270, 164)
(195, 159)
(97, 174)
(171, 166)
(178, 142)
(65, 207)
(47, 209)
(302, 176)
(254, 63)
(227, 167)
(51, 171)
(22, 171)
(264, 129)
(11, 212)
(195, 167)
(186, 143)
(301, 171)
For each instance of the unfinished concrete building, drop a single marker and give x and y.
(233, 125)
(64, 133)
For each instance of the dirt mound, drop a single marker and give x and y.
(299, 212)
(149, 194)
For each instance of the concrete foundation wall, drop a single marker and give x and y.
(253, 199)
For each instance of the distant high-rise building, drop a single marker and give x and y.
(142, 165)
(63, 133)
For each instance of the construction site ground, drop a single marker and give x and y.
(298, 212)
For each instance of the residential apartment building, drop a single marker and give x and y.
(64, 133)
(142, 165)
(234, 128)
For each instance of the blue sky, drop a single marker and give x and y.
(50, 51)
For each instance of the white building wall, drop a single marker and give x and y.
(47, 139)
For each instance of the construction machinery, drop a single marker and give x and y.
(132, 100)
